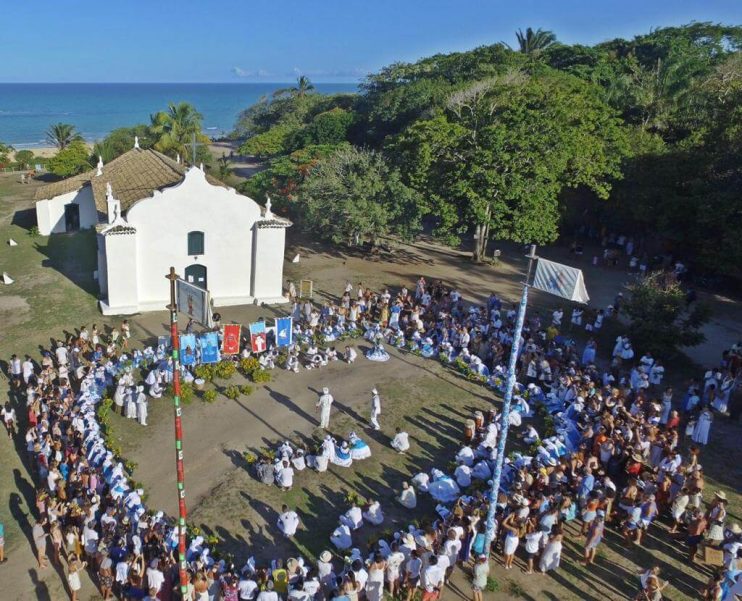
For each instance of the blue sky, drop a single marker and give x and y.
(274, 40)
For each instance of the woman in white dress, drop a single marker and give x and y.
(375, 582)
(552, 554)
(512, 526)
(703, 427)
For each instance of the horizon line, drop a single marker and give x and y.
(65, 83)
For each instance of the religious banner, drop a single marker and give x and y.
(188, 349)
(561, 280)
(194, 302)
(284, 333)
(164, 342)
(231, 342)
(258, 337)
(306, 289)
(209, 347)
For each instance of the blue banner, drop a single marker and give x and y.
(284, 331)
(209, 347)
(188, 349)
(258, 340)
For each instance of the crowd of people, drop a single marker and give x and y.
(610, 455)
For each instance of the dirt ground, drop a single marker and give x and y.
(54, 292)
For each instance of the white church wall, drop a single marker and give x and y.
(163, 222)
(121, 274)
(268, 264)
(50, 213)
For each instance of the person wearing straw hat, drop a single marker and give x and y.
(716, 516)
(324, 404)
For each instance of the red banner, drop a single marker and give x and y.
(231, 342)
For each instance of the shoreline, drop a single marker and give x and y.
(46, 152)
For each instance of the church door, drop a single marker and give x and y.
(196, 275)
(71, 217)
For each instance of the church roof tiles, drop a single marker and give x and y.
(134, 175)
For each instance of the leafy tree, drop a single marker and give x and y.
(275, 141)
(224, 169)
(284, 176)
(330, 127)
(62, 135)
(24, 158)
(660, 320)
(5, 150)
(71, 160)
(353, 195)
(173, 131)
(533, 42)
(497, 159)
(121, 140)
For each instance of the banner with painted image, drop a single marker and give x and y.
(194, 302)
(258, 337)
(560, 280)
(164, 342)
(284, 331)
(231, 342)
(188, 349)
(209, 347)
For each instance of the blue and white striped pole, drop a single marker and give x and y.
(491, 532)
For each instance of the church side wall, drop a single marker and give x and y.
(50, 213)
(163, 222)
(268, 263)
(121, 272)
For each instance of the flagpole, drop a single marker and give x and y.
(173, 307)
(491, 531)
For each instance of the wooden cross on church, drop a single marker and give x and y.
(194, 146)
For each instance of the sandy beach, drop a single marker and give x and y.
(44, 151)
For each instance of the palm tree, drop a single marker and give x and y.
(174, 129)
(533, 42)
(224, 168)
(62, 135)
(302, 88)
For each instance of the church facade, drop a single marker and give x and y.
(151, 212)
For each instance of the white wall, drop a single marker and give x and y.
(121, 272)
(163, 222)
(268, 263)
(50, 213)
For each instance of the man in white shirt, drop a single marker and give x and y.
(433, 577)
(27, 368)
(375, 409)
(247, 588)
(285, 475)
(155, 577)
(323, 404)
(288, 521)
(268, 594)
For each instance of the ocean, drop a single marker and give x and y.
(27, 110)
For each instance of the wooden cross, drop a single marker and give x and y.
(194, 145)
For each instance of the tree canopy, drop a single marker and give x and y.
(636, 134)
(71, 160)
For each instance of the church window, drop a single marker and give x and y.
(195, 243)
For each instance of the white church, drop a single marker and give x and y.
(151, 212)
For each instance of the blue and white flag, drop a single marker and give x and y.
(284, 331)
(209, 347)
(561, 280)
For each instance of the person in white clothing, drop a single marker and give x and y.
(324, 404)
(288, 521)
(141, 406)
(375, 409)
(401, 441)
(285, 475)
(350, 355)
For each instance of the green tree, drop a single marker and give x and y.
(496, 161)
(5, 150)
(173, 131)
(660, 320)
(534, 42)
(224, 170)
(275, 141)
(23, 158)
(62, 135)
(71, 160)
(121, 140)
(353, 195)
(330, 127)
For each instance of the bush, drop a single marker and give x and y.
(205, 372)
(186, 392)
(225, 369)
(246, 389)
(260, 375)
(209, 396)
(492, 585)
(248, 365)
(232, 392)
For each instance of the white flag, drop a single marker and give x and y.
(561, 280)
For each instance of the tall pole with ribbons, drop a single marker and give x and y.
(491, 531)
(175, 340)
